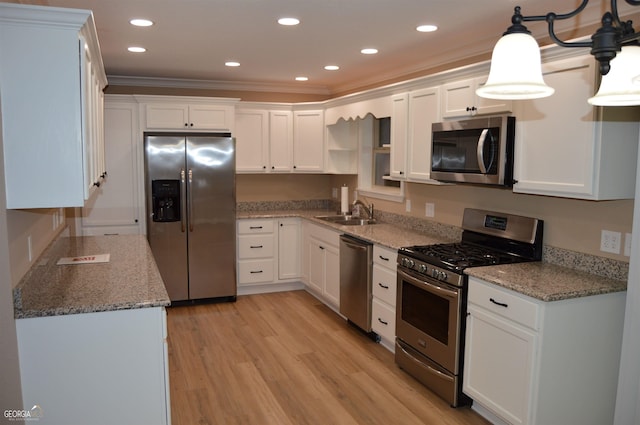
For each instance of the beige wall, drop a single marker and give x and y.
(282, 187)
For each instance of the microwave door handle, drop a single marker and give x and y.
(480, 150)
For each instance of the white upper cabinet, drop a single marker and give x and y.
(424, 110)
(51, 80)
(566, 147)
(264, 140)
(252, 140)
(188, 113)
(308, 141)
(459, 99)
(399, 114)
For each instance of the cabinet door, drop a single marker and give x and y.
(554, 151)
(332, 275)
(316, 264)
(167, 116)
(252, 140)
(211, 117)
(424, 110)
(459, 100)
(308, 141)
(400, 104)
(281, 140)
(117, 208)
(289, 248)
(499, 364)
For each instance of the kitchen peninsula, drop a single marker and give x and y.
(96, 331)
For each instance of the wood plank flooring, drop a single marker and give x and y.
(285, 358)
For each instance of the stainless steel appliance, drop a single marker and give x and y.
(191, 213)
(356, 260)
(478, 150)
(432, 294)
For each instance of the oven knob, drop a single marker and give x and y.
(422, 268)
(434, 273)
(443, 276)
(411, 263)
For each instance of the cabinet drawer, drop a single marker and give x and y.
(255, 246)
(246, 227)
(384, 284)
(255, 271)
(383, 320)
(384, 256)
(504, 302)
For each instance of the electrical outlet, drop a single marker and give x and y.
(429, 209)
(408, 205)
(610, 241)
(627, 244)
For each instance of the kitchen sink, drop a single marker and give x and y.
(346, 220)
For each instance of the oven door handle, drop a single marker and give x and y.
(431, 287)
(424, 365)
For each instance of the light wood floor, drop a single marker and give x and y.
(285, 358)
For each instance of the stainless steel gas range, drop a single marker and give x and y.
(432, 294)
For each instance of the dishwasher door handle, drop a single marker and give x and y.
(355, 245)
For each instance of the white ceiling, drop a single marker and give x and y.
(191, 39)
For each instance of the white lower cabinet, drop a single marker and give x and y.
(96, 368)
(532, 362)
(384, 282)
(268, 255)
(321, 263)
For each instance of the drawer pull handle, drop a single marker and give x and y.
(383, 286)
(498, 303)
(383, 258)
(255, 271)
(382, 321)
(256, 246)
(255, 227)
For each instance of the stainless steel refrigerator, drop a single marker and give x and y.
(191, 213)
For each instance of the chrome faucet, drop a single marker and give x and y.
(367, 209)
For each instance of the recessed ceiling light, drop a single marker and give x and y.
(302, 78)
(426, 28)
(135, 49)
(232, 63)
(332, 67)
(141, 22)
(288, 21)
(369, 51)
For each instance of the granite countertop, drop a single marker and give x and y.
(388, 235)
(547, 282)
(130, 280)
(541, 280)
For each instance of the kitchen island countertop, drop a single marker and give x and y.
(130, 279)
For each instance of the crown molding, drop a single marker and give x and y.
(122, 80)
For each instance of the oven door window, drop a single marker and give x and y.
(428, 312)
(466, 151)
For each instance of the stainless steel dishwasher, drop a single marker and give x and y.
(356, 258)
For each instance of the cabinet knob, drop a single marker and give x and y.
(273, 167)
(186, 124)
(294, 166)
(96, 184)
(264, 167)
(191, 125)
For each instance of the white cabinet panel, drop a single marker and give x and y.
(566, 147)
(289, 241)
(308, 141)
(459, 100)
(400, 105)
(107, 367)
(424, 110)
(52, 79)
(252, 140)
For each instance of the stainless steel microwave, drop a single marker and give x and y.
(478, 150)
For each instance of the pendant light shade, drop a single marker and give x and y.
(516, 71)
(620, 87)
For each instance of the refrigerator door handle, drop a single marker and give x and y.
(182, 199)
(190, 191)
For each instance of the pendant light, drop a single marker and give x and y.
(516, 72)
(617, 88)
